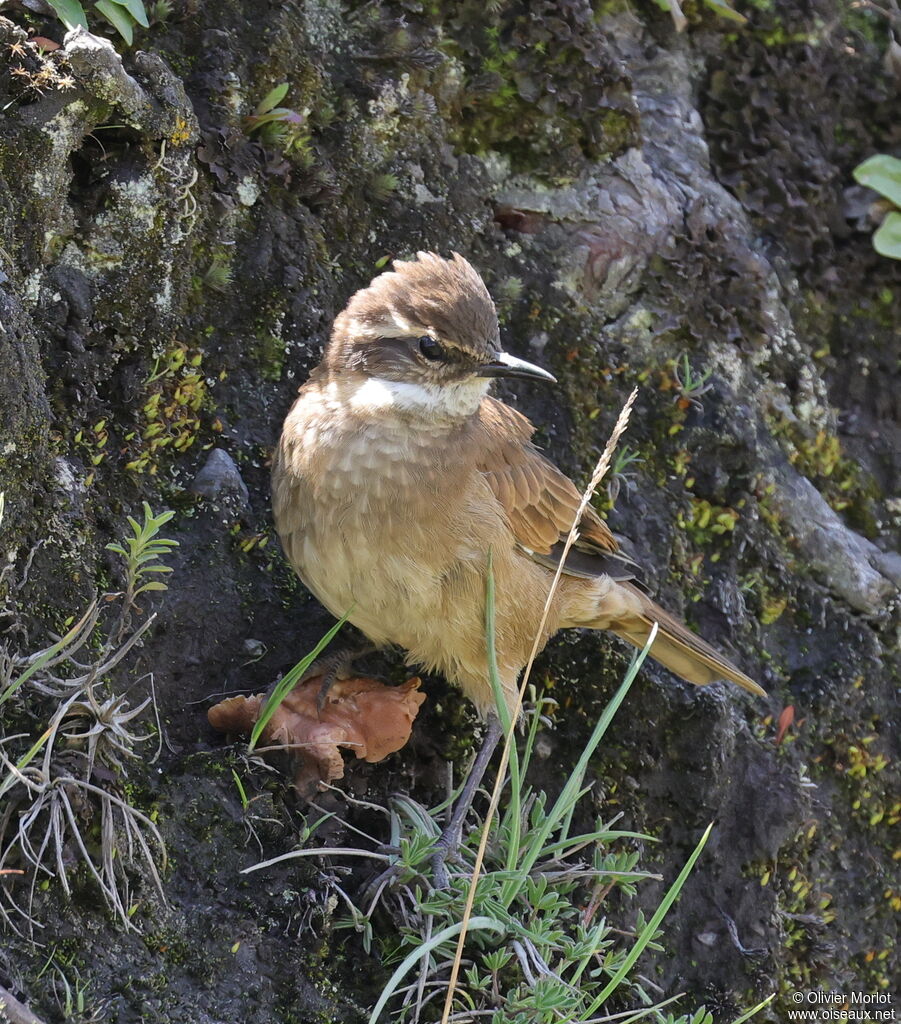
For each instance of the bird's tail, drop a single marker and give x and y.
(675, 646)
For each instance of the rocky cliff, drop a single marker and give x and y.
(672, 210)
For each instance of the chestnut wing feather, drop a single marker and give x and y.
(541, 502)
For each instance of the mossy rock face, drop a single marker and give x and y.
(647, 208)
(24, 413)
(541, 86)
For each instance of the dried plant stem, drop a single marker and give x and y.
(598, 475)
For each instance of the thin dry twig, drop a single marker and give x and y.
(598, 475)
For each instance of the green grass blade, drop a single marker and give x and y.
(475, 924)
(601, 836)
(526, 756)
(605, 720)
(24, 760)
(46, 656)
(514, 807)
(562, 810)
(286, 684)
(643, 1012)
(651, 927)
(242, 792)
(755, 1009)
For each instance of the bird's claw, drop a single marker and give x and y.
(333, 668)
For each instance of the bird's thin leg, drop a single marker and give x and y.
(451, 836)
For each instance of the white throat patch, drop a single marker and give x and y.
(450, 400)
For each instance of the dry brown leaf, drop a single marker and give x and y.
(786, 720)
(361, 714)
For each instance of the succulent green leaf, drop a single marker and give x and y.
(883, 174)
(272, 99)
(887, 240)
(136, 9)
(118, 18)
(70, 13)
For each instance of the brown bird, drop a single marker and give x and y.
(397, 473)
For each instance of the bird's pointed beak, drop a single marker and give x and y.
(505, 365)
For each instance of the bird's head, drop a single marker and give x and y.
(423, 339)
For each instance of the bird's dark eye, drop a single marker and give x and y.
(432, 349)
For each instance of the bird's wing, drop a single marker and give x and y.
(541, 502)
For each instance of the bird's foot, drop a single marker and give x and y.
(445, 850)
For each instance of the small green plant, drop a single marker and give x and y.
(73, 1001)
(690, 385)
(381, 187)
(143, 553)
(507, 292)
(280, 126)
(63, 803)
(104, 729)
(218, 276)
(882, 173)
(540, 946)
(172, 417)
(621, 472)
(703, 521)
(160, 12)
(123, 15)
